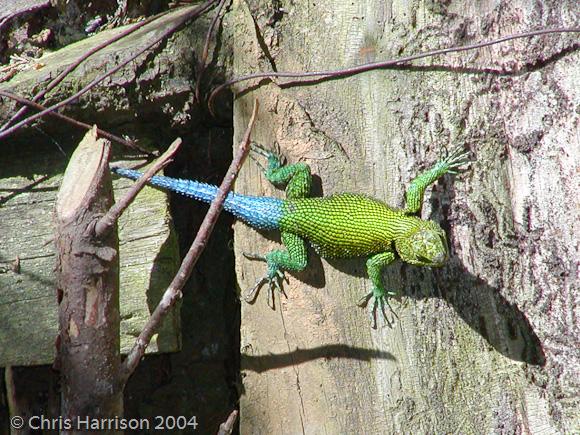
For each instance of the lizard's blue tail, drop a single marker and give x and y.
(258, 211)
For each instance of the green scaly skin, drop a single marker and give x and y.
(350, 225)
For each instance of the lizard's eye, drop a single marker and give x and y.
(426, 247)
(433, 250)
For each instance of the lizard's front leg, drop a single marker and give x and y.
(294, 257)
(375, 266)
(447, 165)
(296, 176)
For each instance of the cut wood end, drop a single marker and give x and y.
(85, 165)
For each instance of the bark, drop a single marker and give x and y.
(88, 288)
(487, 344)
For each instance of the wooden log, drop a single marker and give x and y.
(28, 310)
(87, 277)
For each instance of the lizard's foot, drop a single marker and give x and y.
(265, 152)
(274, 157)
(380, 300)
(455, 159)
(274, 278)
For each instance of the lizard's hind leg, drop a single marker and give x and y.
(295, 258)
(298, 180)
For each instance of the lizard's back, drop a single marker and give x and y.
(345, 225)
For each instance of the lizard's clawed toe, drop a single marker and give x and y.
(260, 149)
(379, 301)
(274, 283)
(456, 158)
(364, 301)
(254, 256)
(250, 295)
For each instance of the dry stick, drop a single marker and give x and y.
(205, 51)
(194, 13)
(108, 221)
(382, 64)
(53, 83)
(227, 427)
(102, 133)
(22, 10)
(11, 394)
(173, 292)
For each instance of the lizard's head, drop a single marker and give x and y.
(424, 246)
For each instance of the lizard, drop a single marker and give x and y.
(343, 225)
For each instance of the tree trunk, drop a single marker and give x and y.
(487, 344)
(88, 291)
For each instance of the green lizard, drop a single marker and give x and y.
(343, 225)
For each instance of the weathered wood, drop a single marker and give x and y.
(87, 280)
(148, 253)
(112, 102)
(30, 172)
(151, 100)
(487, 344)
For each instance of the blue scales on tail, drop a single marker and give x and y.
(342, 225)
(257, 211)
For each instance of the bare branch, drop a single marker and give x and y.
(87, 276)
(173, 292)
(329, 74)
(227, 427)
(15, 9)
(102, 133)
(205, 52)
(108, 221)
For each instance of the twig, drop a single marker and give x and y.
(22, 8)
(11, 394)
(328, 74)
(108, 221)
(53, 83)
(195, 12)
(173, 292)
(227, 427)
(205, 51)
(102, 133)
